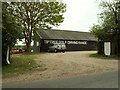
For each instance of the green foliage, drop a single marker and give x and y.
(102, 56)
(10, 31)
(35, 15)
(102, 33)
(96, 30)
(107, 18)
(109, 27)
(20, 65)
(100, 47)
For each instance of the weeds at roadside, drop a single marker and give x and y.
(20, 65)
(103, 56)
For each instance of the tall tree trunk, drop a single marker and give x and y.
(116, 33)
(4, 56)
(28, 46)
(35, 42)
(28, 35)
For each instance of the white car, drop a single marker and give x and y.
(57, 47)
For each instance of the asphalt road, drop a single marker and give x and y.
(101, 80)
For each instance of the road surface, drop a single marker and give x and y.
(99, 80)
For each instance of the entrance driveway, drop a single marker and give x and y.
(68, 64)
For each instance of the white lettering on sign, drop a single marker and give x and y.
(77, 42)
(68, 42)
(50, 41)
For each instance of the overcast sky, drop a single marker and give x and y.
(80, 15)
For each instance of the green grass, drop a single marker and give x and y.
(0, 70)
(18, 47)
(20, 65)
(31, 53)
(104, 56)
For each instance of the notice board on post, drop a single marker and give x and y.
(107, 48)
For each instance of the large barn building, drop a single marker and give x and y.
(74, 40)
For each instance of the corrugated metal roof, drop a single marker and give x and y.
(66, 35)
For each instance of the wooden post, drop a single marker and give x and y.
(7, 58)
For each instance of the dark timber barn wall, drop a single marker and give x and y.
(74, 40)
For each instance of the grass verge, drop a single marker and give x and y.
(19, 65)
(104, 57)
(31, 53)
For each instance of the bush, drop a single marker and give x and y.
(100, 47)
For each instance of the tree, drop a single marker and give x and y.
(10, 33)
(103, 34)
(34, 15)
(108, 30)
(113, 7)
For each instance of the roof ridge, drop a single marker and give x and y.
(65, 34)
(69, 30)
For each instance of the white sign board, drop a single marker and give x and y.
(37, 43)
(107, 48)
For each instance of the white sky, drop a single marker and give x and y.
(80, 15)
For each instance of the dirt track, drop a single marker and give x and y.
(66, 64)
